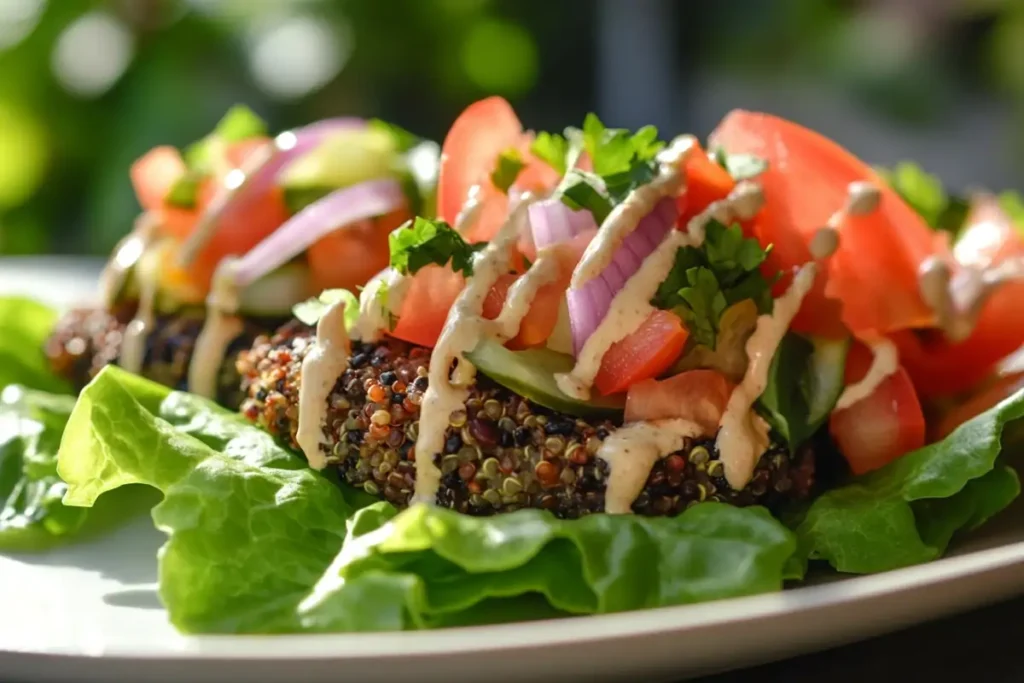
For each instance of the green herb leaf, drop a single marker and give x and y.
(311, 310)
(908, 511)
(423, 241)
(25, 325)
(1013, 204)
(804, 383)
(582, 190)
(552, 149)
(926, 195)
(510, 163)
(729, 272)
(240, 123)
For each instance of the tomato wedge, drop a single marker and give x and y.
(939, 367)
(982, 400)
(885, 426)
(645, 353)
(706, 182)
(806, 182)
(154, 174)
(697, 395)
(350, 256)
(471, 148)
(426, 304)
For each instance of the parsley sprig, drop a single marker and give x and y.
(621, 161)
(423, 241)
(706, 280)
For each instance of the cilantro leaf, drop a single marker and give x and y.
(552, 149)
(704, 281)
(311, 310)
(510, 163)
(583, 190)
(423, 241)
(621, 162)
(927, 197)
(705, 304)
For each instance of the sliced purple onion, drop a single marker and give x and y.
(551, 222)
(259, 171)
(589, 304)
(338, 209)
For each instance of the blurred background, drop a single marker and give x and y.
(87, 86)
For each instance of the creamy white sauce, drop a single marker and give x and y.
(470, 211)
(628, 310)
(742, 203)
(463, 329)
(742, 434)
(133, 344)
(125, 255)
(884, 362)
(220, 327)
(376, 307)
(321, 368)
(631, 452)
(625, 217)
(522, 293)
(958, 300)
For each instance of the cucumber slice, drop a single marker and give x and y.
(273, 295)
(345, 158)
(531, 374)
(826, 372)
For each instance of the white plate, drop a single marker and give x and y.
(90, 612)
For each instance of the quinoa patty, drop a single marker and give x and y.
(501, 454)
(86, 339)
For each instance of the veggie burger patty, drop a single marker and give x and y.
(501, 454)
(86, 339)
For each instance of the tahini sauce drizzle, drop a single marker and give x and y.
(958, 300)
(220, 328)
(462, 331)
(126, 254)
(884, 362)
(625, 217)
(133, 346)
(321, 368)
(742, 434)
(631, 452)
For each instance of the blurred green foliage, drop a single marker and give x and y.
(87, 86)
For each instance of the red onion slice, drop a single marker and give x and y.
(338, 209)
(589, 304)
(551, 222)
(260, 170)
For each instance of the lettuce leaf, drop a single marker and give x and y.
(429, 567)
(250, 528)
(255, 539)
(908, 511)
(24, 326)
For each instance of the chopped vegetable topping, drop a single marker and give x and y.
(553, 149)
(424, 241)
(740, 166)
(705, 281)
(925, 194)
(311, 310)
(506, 170)
(239, 123)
